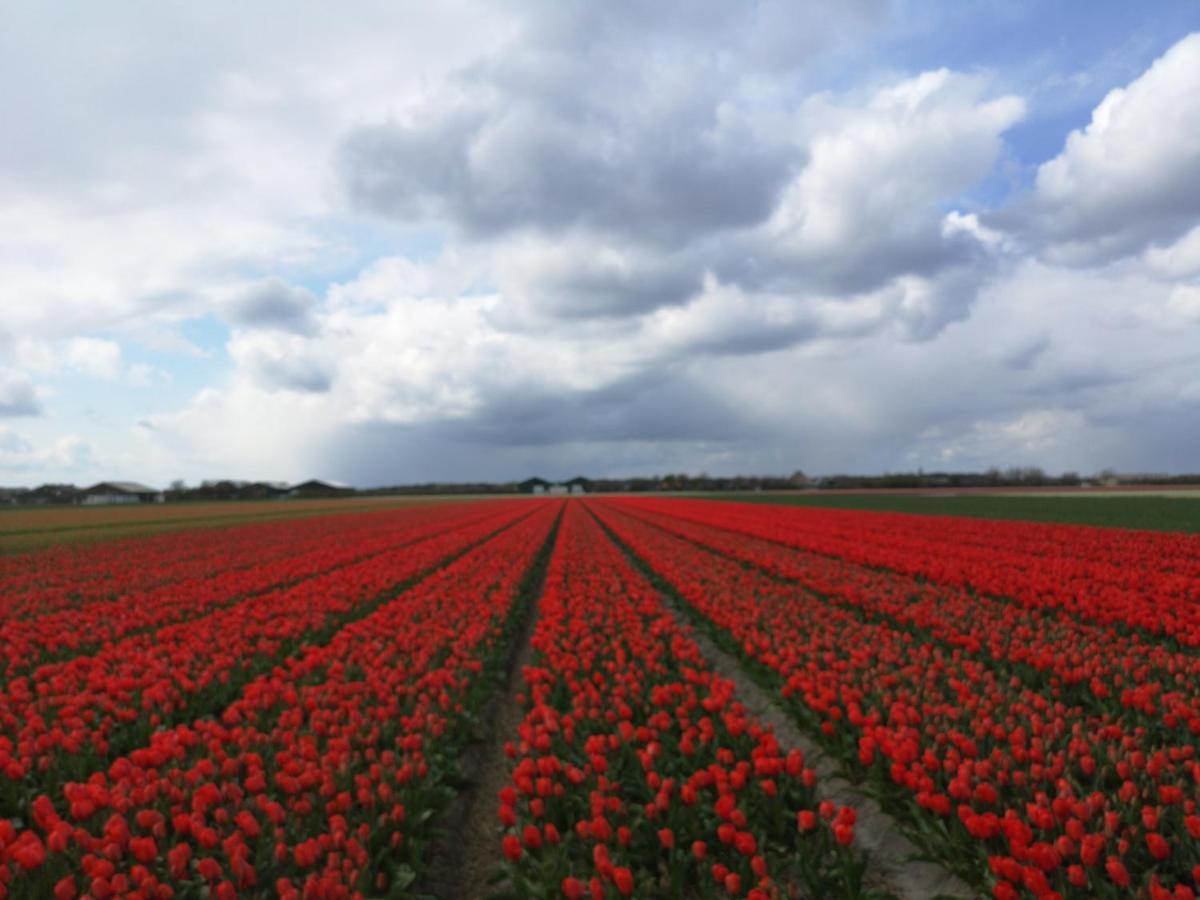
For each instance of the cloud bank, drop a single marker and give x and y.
(496, 240)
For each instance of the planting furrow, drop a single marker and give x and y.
(1017, 790)
(91, 709)
(325, 777)
(463, 857)
(636, 769)
(30, 643)
(893, 862)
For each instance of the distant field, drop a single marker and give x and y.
(1158, 511)
(26, 529)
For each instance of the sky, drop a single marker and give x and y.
(394, 242)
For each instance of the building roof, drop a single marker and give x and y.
(318, 483)
(121, 487)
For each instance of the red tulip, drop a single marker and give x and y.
(512, 847)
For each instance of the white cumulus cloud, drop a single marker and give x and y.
(1130, 177)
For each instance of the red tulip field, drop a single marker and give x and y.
(603, 697)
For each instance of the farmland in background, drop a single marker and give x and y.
(1157, 511)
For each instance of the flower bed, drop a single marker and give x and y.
(322, 778)
(998, 770)
(636, 770)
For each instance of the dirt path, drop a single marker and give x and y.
(891, 866)
(468, 854)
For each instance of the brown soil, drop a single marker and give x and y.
(468, 855)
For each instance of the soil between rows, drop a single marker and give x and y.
(891, 864)
(465, 857)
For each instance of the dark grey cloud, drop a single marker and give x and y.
(743, 323)
(1079, 232)
(656, 405)
(18, 396)
(274, 305)
(623, 118)
(577, 279)
(378, 453)
(877, 253)
(1066, 380)
(635, 425)
(749, 337)
(1026, 355)
(593, 294)
(924, 307)
(291, 373)
(667, 175)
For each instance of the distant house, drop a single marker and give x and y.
(263, 490)
(567, 487)
(578, 485)
(114, 492)
(316, 488)
(534, 486)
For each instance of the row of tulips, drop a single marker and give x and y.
(636, 770)
(1150, 682)
(70, 575)
(1097, 574)
(68, 719)
(322, 779)
(1020, 789)
(240, 568)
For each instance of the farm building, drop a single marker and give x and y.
(534, 486)
(314, 487)
(541, 486)
(263, 490)
(108, 492)
(579, 485)
(569, 487)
